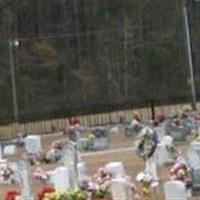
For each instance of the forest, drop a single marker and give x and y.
(85, 56)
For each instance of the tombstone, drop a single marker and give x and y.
(1, 152)
(196, 181)
(120, 189)
(60, 179)
(100, 143)
(129, 131)
(193, 158)
(160, 132)
(25, 183)
(81, 171)
(178, 133)
(33, 144)
(162, 155)
(175, 190)
(9, 150)
(114, 130)
(116, 169)
(193, 155)
(83, 144)
(71, 162)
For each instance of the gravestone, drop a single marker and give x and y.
(81, 171)
(178, 134)
(193, 155)
(116, 169)
(175, 190)
(60, 179)
(25, 181)
(120, 189)
(162, 155)
(33, 144)
(196, 181)
(71, 162)
(9, 150)
(160, 132)
(100, 143)
(1, 152)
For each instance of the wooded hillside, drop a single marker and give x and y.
(79, 56)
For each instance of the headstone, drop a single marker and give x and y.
(193, 155)
(114, 130)
(193, 158)
(116, 169)
(196, 181)
(120, 189)
(9, 150)
(175, 190)
(160, 132)
(25, 180)
(100, 143)
(71, 162)
(33, 144)
(179, 133)
(1, 152)
(83, 144)
(60, 179)
(162, 155)
(81, 171)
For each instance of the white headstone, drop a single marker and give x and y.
(161, 155)
(24, 180)
(81, 171)
(120, 189)
(160, 132)
(70, 161)
(1, 152)
(175, 190)
(194, 159)
(116, 169)
(9, 150)
(195, 145)
(61, 179)
(33, 144)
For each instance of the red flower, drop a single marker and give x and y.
(45, 190)
(11, 194)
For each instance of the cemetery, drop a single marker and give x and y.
(104, 162)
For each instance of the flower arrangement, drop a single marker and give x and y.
(6, 173)
(44, 191)
(146, 179)
(40, 174)
(76, 194)
(11, 194)
(186, 109)
(146, 143)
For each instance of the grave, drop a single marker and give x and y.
(25, 180)
(81, 171)
(60, 179)
(9, 150)
(33, 144)
(193, 155)
(175, 190)
(116, 169)
(120, 189)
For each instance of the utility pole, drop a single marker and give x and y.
(189, 52)
(12, 44)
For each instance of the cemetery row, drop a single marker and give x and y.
(67, 177)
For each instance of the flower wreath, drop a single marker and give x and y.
(146, 143)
